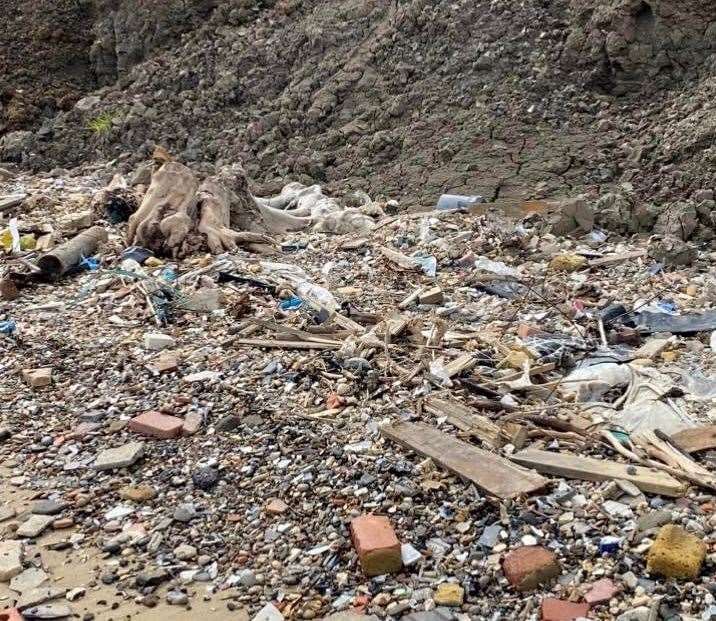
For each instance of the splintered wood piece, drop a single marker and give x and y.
(490, 472)
(466, 419)
(696, 439)
(590, 469)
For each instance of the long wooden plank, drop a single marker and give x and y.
(696, 439)
(590, 469)
(490, 472)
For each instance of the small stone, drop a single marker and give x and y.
(185, 513)
(152, 577)
(449, 594)
(157, 425)
(201, 376)
(409, 555)
(642, 613)
(205, 478)
(185, 552)
(138, 493)
(34, 525)
(276, 506)
(48, 507)
(118, 512)
(377, 545)
(7, 512)
(156, 341)
(192, 423)
(31, 578)
(433, 296)
(601, 591)
(490, 536)
(119, 457)
(268, 613)
(676, 553)
(227, 423)
(672, 251)
(247, 578)
(176, 597)
(530, 566)
(561, 610)
(38, 378)
(10, 559)
(167, 362)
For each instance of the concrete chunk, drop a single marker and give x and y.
(119, 457)
(34, 525)
(10, 559)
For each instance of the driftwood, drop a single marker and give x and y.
(181, 214)
(68, 255)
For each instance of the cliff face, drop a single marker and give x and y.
(403, 97)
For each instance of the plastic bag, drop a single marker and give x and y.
(495, 267)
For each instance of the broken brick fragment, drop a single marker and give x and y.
(561, 610)
(377, 545)
(529, 566)
(157, 425)
(601, 591)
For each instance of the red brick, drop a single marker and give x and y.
(11, 614)
(157, 425)
(601, 591)
(562, 610)
(529, 566)
(377, 545)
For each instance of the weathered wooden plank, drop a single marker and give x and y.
(460, 364)
(490, 472)
(696, 439)
(590, 469)
(466, 419)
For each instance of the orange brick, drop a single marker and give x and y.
(529, 566)
(561, 610)
(377, 545)
(157, 425)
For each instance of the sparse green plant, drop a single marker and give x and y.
(100, 125)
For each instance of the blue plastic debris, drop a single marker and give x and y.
(609, 544)
(292, 303)
(668, 306)
(89, 263)
(169, 274)
(7, 327)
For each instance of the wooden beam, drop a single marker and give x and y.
(590, 469)
(285, 344)
(696, 439)
(490, 472)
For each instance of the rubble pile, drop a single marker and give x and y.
(454, 414)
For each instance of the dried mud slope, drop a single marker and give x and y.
(408, 99)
